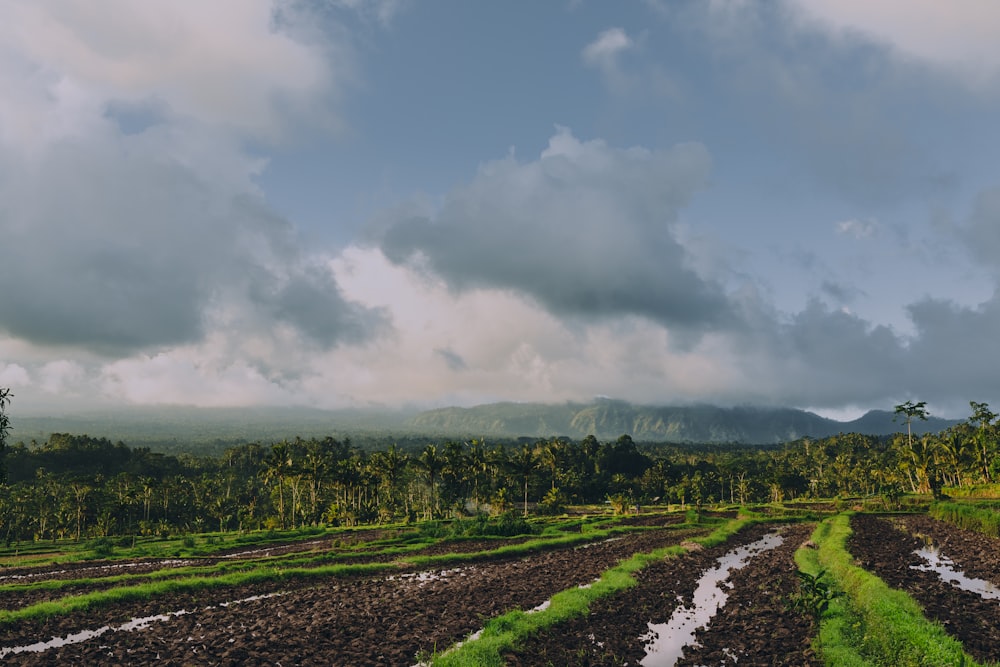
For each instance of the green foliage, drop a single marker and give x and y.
(508, 524)
(814, 595)
(5, 396)
(984, 518)
(873, 624)
(621, 503)
(102, 547)
(554, 502)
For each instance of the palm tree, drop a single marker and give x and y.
(4, 426)
(432, 463)
(522, 464)
(909, 410)
(279, 464)
(985, 438)
(389, 467)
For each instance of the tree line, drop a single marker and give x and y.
(79, 487)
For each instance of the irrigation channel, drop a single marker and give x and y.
(390, 618)
(953, 573)
(734, 595)
(665, 642)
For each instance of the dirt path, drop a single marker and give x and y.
(369, 621)
(889, 552)
(754, 627)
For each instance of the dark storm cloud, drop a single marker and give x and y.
(982, 234)
(585, 230)
(112, 246)
(452, 359)
(312, 302)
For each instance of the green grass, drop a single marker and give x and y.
(873, 624)
(507, 631)
(980, 517)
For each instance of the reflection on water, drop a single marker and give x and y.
(665, 641)
(135, 624)
(944, 567)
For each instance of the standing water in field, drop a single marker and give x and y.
(944, 567)
(665, 642)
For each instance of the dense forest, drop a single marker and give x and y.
(76, 486)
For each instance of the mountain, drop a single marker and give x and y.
(211, 430)
(608, 419)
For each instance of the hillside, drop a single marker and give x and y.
(609, 419)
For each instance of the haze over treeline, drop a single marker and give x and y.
(209, 430)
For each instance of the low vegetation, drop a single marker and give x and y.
(980, 517)
(872, 624)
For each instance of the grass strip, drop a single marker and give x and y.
(873, 624)
(505, 632)
(983, 519)
(88, 601)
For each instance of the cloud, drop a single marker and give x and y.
(859, 229)
(128, 209)
(981, 234)
(257, 77)
(586, 230)
(382, 10)
(962, 36)
(604, 51)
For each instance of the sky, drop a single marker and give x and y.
(379, 203)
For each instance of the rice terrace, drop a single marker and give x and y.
(846, 550)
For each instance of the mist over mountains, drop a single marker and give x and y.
(202, 429)
(608, 419)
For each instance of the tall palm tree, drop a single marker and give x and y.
(279, 465)
(523, 464)
(389, 467)
(432, 463)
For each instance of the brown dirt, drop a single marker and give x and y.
(888, 552)
(362, 621)
(754, 627)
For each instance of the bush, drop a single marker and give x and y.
(103, 547)
(481, 525)
(554, 502)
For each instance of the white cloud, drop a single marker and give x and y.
(961, 35)
(127, 202)
(606, 48)
(859, 229)
(234, 64)
(13, 374)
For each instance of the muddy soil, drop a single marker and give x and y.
(888, 551)
(16, 599)
(386, 620)
(755, 627)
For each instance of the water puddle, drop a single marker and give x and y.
(110, 568)
(665, 641)
(135, 624)
(944, 567)
(284, 548)
(426, 576)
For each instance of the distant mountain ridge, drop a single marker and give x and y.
(608, 419)
(212, 429)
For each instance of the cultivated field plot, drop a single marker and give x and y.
(389, 617)
(755, 625)
(953, 573)
(389, 597)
